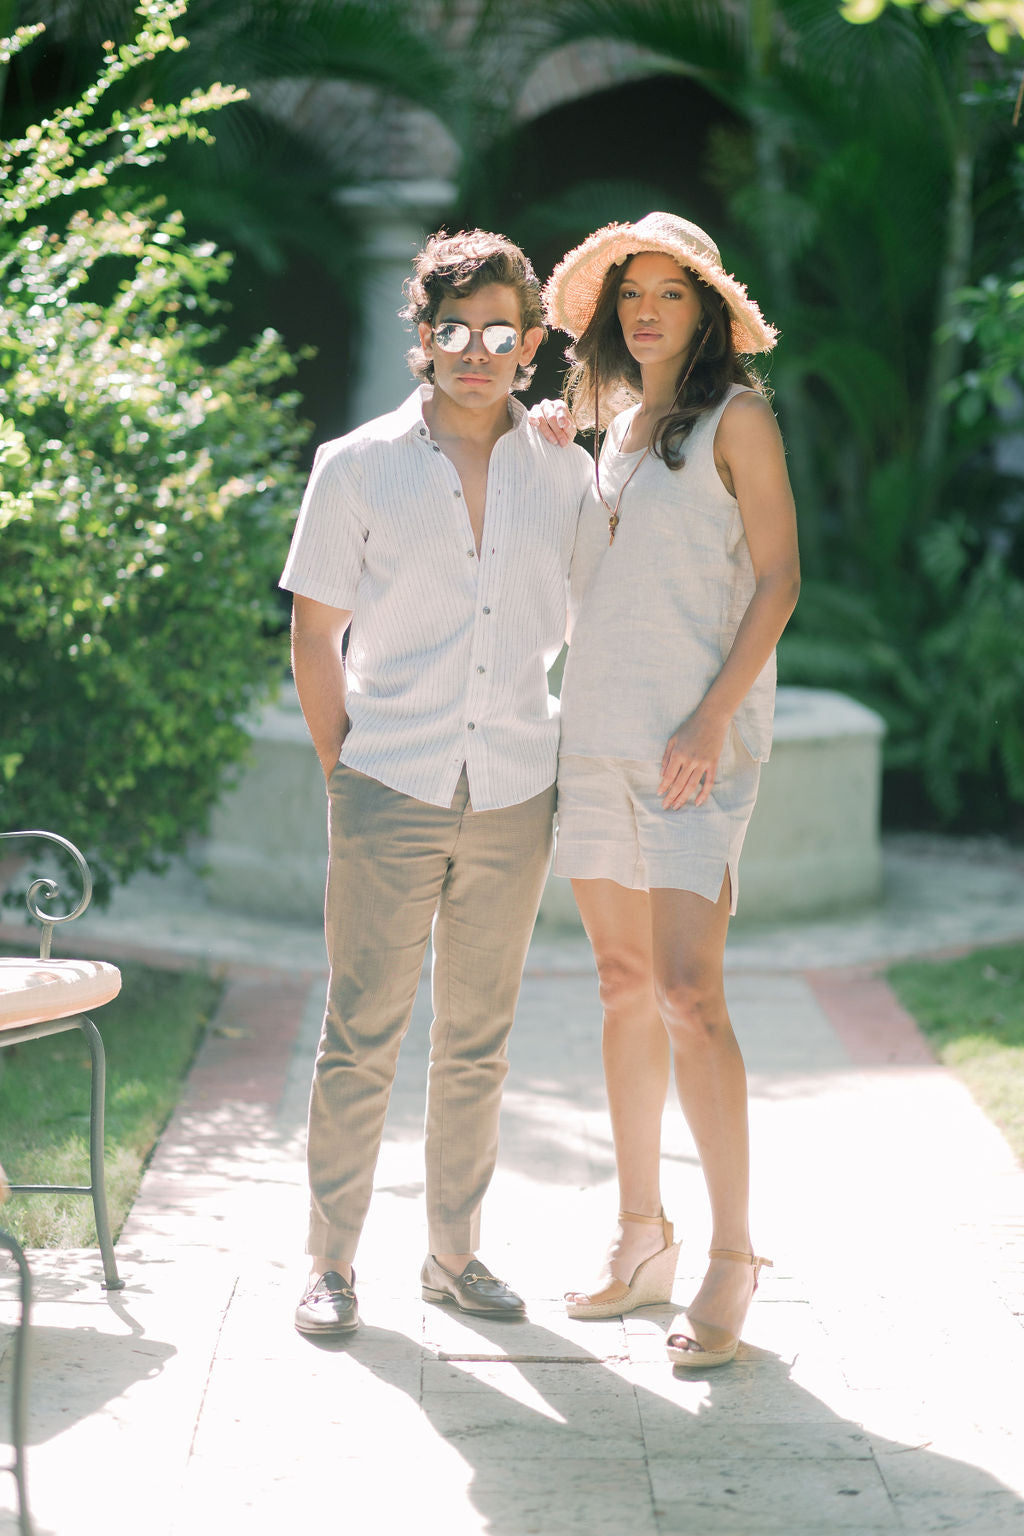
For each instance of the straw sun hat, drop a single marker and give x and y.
(571, 292)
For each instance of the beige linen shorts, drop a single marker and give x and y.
(612, 825)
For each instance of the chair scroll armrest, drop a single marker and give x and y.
(47, 889)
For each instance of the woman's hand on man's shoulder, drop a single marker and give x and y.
(553, 422)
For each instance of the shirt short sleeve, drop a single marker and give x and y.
(326, 556)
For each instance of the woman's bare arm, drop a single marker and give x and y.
(752, 462)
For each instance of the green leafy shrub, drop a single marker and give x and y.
(937, 657)
(990, 320)
(927, 630)
(147, 494)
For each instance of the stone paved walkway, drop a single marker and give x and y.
(878, 1388)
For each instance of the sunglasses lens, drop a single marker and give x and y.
(452, 337)
(500, 339)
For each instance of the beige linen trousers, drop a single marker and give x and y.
(401, 871)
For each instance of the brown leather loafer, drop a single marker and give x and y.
(329, 1306)
(476, 1290)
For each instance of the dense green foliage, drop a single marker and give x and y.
(972, 1010)
(147, 495)
(150, 1032)
(268, 187)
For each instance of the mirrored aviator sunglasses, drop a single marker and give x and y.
(454, 336)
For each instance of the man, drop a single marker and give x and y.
(440, 537)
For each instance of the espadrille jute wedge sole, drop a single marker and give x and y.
(698, 1346)
(650, 1286)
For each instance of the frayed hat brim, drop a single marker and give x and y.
(572, 290)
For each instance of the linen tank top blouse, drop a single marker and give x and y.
(654, 614)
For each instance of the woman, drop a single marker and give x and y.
(685, 574)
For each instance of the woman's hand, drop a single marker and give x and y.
(553, 422)
(690, 761)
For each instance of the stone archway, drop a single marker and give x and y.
(582, 69)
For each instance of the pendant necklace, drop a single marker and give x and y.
(613, 520)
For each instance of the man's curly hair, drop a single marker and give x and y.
(453, 267)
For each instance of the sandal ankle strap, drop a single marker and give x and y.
(740, 1258)
(661, 1220)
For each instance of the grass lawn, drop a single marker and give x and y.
(972, 1011)
(150, 1032)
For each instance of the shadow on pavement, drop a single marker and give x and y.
(516, 1429)
(75, 1369)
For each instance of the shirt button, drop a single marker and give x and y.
(481, 669)
(435, 448)
(471, 725)
(458, 493)
(423, 431)
(471, 553)
(485, 610)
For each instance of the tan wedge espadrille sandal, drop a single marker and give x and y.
(698, 1346)
(650, 1286)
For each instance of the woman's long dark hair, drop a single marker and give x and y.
(603, 365)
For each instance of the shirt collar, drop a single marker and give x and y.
(409, 420)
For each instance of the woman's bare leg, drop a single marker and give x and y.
(688, 939)
(636, 1056)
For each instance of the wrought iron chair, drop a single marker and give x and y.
(19, 1379)
(45, 997)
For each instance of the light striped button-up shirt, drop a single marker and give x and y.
(448, 651)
